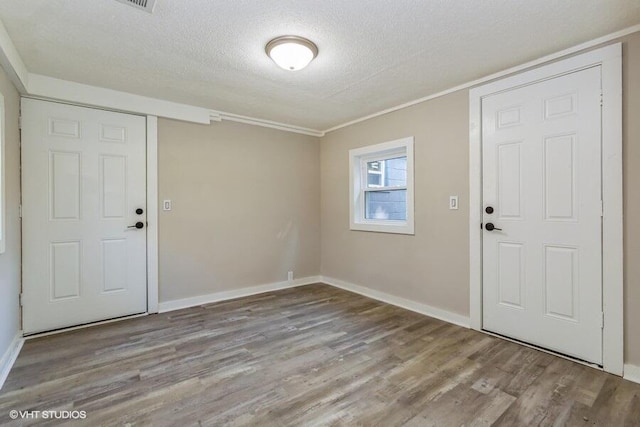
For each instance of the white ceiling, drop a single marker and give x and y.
(374, 54)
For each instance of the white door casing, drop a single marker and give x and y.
(542, 269)
(609, 59)
(83, 177)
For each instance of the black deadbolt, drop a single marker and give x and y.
(139, 211)
(489, 210)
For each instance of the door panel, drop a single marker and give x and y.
(509, 180)
(542, 175)
(83, 176)
(511, 274)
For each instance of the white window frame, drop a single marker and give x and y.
(358, 159)
(3, 200)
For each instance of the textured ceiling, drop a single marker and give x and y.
(374, 54)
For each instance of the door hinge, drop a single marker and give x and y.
(602, 320)
(21, 300)
(601, 100)
(601, 208)
(19, 122)
(19, 211)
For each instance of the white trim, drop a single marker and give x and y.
(152, 214)
(503, 73)
(612, 221)
(3, 179)
(11, 61)
(77, 93)
(427, 310)
(475, 215)
(357, 186)
(610, 59)
(632, 373)
(9, 357)
(218, 116)
(235, 293)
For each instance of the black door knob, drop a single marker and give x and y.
(139, 211)
(137, 225)
(490, 227)
(488, 210)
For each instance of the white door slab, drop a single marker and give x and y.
(541, 163)
(83, 177)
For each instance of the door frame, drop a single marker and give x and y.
(609, 58)
(152, 270)
(152, 215)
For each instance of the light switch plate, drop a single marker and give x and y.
(166, 205)
(453, 202)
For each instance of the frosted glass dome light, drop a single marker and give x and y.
(291, 52)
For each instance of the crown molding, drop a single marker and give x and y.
(219, 116)
(499, 74)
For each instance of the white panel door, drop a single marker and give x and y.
(542, 263)
(83, 178)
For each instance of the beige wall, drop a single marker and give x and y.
(10, 260)
(246, 207)
(432, 267)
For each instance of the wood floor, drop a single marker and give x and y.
(308, 356)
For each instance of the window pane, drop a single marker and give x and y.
(375, 174)
(387, 173)
(386, 205)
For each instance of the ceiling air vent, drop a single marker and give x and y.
(146, 5)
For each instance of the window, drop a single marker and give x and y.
(381, 191)
(2, 176)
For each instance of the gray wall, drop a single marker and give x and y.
(10, 260)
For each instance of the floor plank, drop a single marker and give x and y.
(308, 356)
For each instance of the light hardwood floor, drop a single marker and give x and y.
(313, 355)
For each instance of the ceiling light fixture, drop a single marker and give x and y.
(291, 52)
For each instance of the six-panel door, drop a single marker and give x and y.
(542, 265)
(83, 177)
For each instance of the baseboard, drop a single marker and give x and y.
(236, 293)
(632, 373)
(425, 309)
(9, 357)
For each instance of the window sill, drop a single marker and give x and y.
(401, 227)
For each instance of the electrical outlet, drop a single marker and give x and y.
(166, 205)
